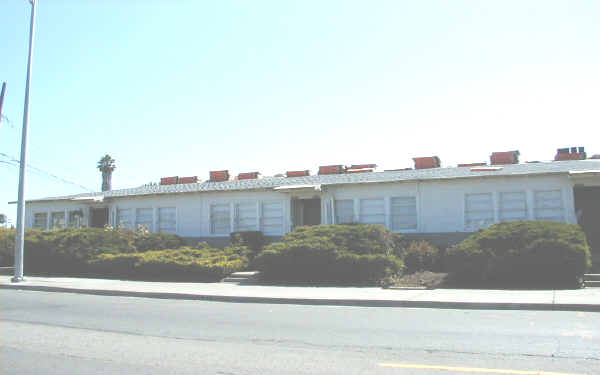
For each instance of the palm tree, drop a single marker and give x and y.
(106, 165)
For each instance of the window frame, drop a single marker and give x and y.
(159, 227)
(416, 206)
(466, 211)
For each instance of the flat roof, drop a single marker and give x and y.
(450, 173)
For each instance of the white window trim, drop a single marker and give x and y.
(176, 218)
(379, 197)
(493, 195)
(417, 210)
(235, 212)
(563, 207)
(135, 219)
(231, 217)
(32, 226)
(283, 216)
(498, 219)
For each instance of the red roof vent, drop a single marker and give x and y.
(188, 180)
(574, 153)
(248, 176)
(331, 169)
(303, 173)
(427, 162)
(216, 176)
(473, 165)
(507, 157)
(169, 180)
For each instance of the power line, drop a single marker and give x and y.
(42, 172)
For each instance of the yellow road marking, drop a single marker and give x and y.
(473, 369)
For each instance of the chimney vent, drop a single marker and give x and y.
(169, 180)
(506, 157)
(331, 169)
(248, 176)
(217, 176)
(303, 173)
(573, 153)
(427, 162)
(187, 180)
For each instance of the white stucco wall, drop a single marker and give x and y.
(440, 204)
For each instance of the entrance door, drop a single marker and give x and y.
(99, 217)
(587, 208)
(306, 212)
(312, 211)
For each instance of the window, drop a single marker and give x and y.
(76, 219)
(344, 211)
(57, 220)
(245, 217)
(144, 217)
(220, 218)
(272, 218)
(124, 218)
(372, 211)
(513, 206)
(167, 220)
(549, 205)
(479, 211)
(40, 220)
(404, 213)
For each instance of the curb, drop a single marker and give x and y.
(317, 301)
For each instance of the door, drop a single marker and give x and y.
(311, 211)
(99, 217)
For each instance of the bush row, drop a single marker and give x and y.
(522, 252)
(66, 249)
(342, 254)
(184, 264)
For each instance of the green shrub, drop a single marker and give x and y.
(354, 238)
(525, 252)
(157, 241)
(422, 256)
(67, 251)
(186, 263)
(254, 240)
(350, 254)
(7, 247)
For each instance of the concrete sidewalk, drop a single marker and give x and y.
(563, 300)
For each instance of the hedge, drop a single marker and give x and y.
(521, 252)
(68, 250)
(346, 254)
(184, 264)
(354, 238)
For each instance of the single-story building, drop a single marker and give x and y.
(442, 204)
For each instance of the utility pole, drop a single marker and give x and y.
(20, 237)
(2, 99)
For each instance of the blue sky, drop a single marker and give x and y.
(183, 87)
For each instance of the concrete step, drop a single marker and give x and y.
(245, 274)
(242, 277)
(591, 277)
(592, 284)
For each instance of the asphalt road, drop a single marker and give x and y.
(57, 333)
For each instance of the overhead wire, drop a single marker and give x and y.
(43, 173)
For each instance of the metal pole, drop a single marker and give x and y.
(20, 237)
(2, 99)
